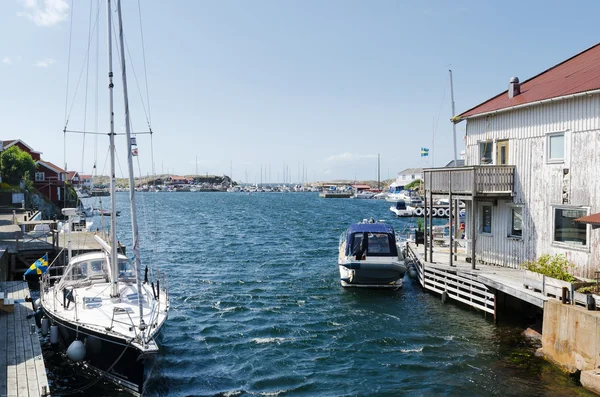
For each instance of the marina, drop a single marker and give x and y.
(472, 268)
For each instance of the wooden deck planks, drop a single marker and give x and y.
(20, 351)
(507, 280)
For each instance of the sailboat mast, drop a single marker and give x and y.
(134, 225)
(114, 266)
(453, 123)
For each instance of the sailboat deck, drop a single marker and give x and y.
(22, 369)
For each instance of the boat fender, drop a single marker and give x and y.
(146, 275)
(45, 326)
(76, 351)
(153, 290)
(54, 334)
(351, 265)
(157, 289)
(37, 304)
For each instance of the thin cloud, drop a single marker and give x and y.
(7, 60)
(349, 157)
(45, 12)
(44, 63)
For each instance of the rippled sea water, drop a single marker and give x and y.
(257, 310)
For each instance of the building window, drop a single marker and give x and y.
(486, 219)
(565, 230)
(40, 176)
(485, 152)
(412, 177)
(516, 221)
(555, 143)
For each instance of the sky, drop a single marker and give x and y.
(312, 89)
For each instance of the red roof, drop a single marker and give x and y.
(593, 219)
(56, 168)
(579, 73)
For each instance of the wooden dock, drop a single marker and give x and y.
(22, 369)
(474, 287)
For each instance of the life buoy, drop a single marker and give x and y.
(447, 212)
(434, 212)
(419, 211)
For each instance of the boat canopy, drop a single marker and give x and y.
(371, 239)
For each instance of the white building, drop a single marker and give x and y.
(533, 154)
(408, 175)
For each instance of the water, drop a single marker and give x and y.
(257, 310)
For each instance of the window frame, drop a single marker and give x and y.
(480, 149)
(43, 176)
(549, 135)
(562, 244)
(481, 213)
(511, 208)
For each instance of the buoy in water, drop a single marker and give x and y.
(54, 334)
(45, 326)
(76, 351)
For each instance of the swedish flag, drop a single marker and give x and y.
(38, 267)
(424, 152)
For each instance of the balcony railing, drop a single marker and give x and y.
(482, 181)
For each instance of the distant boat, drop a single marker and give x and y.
(400, 209)
(368, 256)
(107, 212)
(364, 194)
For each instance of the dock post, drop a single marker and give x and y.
(456, 227)
(495, 307)
(425, 224)
(565, 291)
(473, 231)
(430, 225)
(450, 231)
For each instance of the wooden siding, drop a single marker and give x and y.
(538, 184)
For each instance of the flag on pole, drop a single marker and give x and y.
(424, 152)
(38, 267)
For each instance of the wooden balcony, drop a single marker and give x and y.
(473, 181)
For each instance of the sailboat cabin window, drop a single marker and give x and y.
(566, 231)
(555, 143)
(485, 152)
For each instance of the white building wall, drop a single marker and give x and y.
(538, 184)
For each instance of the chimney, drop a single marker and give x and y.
(514, 88)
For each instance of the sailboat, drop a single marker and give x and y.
(102, 310)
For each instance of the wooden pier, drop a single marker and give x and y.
(477, 287)
(22, 369)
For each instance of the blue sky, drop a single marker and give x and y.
(319, 85)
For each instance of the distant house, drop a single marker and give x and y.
(179, 180)
(86, 181)
(408, 175)
(50, 180)
(532, 164)
(459, 163)
(35, 155)
(73, 178)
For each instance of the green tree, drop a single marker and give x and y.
(414, 185)
(16, 164)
